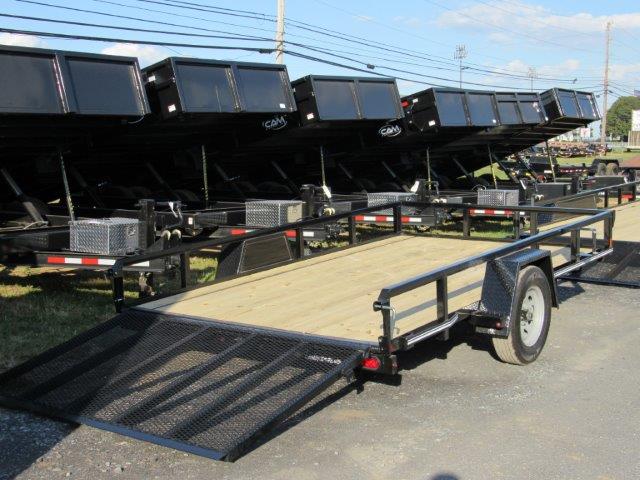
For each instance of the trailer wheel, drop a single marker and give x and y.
(530, 319)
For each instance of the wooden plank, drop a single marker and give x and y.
(333, 294)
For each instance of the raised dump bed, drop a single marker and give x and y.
(51, 83)
(323, 99)
(217, 90)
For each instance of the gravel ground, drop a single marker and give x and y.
(459, 414)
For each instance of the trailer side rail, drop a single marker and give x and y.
(441, 275)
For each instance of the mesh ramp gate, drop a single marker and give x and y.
(620, 268)
(204, 387)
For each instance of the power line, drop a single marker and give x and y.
(301, 45)
(499, 27)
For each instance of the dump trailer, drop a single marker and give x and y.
(210, 369)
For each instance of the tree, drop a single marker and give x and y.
(619, 116)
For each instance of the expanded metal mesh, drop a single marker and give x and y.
(498, 198)
(382, 198)
(197, 383)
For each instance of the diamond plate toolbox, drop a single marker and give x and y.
(271, 213)
(105, 236)
(498, 198)
(382, 198)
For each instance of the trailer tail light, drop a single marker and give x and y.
(405, 103)
(371, 363)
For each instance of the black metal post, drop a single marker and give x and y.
(466, 223)
(575, 245)
(118, 291)
(533, 226)
(441, 296)
(147, 217)
(185, 269)
(307, 195)
(606, 199)
(397, 219)
(619, 195)
(352, 230)
(575, 184)
(608, 228)
(442, 305)
(516, 224)
(300, 242)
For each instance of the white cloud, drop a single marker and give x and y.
(502, 38)
(413, 22)
(624, 71)
(147, 54)
(532, 18)
(21, 40)
(364, 18)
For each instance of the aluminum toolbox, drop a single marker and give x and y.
(106, 236)
(326, 98)
(271, 213)
(49, 82)
(382, 198)
(196, 86)
(498, 198)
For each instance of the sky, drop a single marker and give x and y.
(560, 44)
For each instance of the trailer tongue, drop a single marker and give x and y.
(203, 387)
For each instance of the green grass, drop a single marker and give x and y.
(42, 307)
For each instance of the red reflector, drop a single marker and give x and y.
(290, 233)
(371, 363)
(89, 261)
(55, 259)
(238, 231)
(405, 103)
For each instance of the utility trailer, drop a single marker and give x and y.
(209, 370)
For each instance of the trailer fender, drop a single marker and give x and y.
(499, 286)
(254, 254)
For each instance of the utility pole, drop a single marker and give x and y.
(605, 99)
(532, 74)
(280, 33)
(460, 54)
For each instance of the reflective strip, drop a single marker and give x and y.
(105, 262)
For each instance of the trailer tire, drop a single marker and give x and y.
(530, 319)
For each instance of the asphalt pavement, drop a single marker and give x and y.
(458, 414)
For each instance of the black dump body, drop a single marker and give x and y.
(50, 94)
(334, 111)
(336, 115)
(54, 101)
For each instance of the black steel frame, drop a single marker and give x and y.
(387, 343)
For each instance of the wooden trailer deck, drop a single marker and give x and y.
(625, 228)
(627, 224)
(332, 294)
